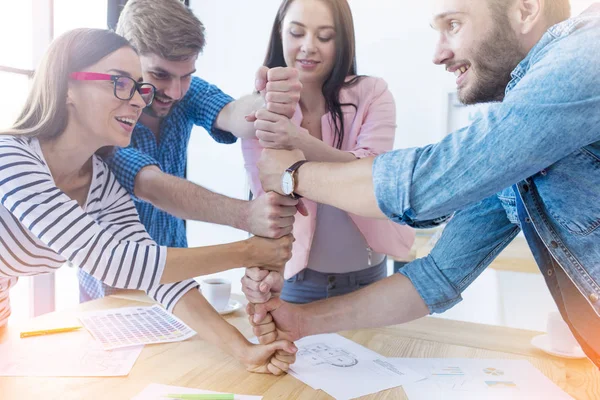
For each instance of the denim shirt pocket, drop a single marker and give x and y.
(570, 191)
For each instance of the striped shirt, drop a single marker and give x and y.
(41, 228)
(200, 106)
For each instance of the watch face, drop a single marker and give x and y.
(287, 183)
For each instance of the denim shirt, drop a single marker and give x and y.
(545, 138)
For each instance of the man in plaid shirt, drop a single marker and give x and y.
(169, 39)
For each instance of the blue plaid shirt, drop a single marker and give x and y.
(200, 106)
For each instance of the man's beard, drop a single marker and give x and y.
(150, 111)
(493, 61)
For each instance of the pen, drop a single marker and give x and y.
(49, 331)
(207, 396)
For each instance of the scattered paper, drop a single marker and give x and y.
(125, 327)
(345, 369)
(64, 354)
(475, 379)
(155, 391)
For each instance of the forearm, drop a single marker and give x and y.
(198, 314)
(316, 150)
(186, 200)
(347, 186)
(391, 301)
(186, 263)
(232, 116)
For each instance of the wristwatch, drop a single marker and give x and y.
(288, 180)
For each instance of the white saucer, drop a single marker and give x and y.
(542, 342)
(233, 305)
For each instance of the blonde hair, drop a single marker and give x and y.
(166, 28)
(45, 112)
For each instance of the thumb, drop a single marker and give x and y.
(272, 283)
(301, 207)
(261, 310)
(250, 117)
(282, 345)
(260, 82)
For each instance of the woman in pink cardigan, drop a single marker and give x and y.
(340, 117)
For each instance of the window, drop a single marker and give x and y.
(27, 27)
(71, 14)
(16, 30)
(15, 87)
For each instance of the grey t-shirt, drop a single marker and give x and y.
(338, 246)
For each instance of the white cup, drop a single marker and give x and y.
(561, 338)
(217, 292)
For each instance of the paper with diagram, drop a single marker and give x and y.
(475, 379)
(64, 354)
(130, 326)
(345, 369)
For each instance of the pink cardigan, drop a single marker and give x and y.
(369, 131)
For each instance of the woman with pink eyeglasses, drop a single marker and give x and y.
(60, 203)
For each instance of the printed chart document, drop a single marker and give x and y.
(155, 391)
(64, 354)
(476, 379)
(345, 369)
(130, 326)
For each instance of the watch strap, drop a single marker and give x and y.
(292, 170)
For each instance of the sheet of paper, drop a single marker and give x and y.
(155, 391)
(64, 354)
(125, 327)
(475, 379)
(345, 369)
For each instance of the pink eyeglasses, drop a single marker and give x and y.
(124, 86)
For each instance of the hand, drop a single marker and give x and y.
(271, 215)
(259, 285)
(287, 317)
(270, 254)
(275, 131)
(272, 164)
(281, 89)
(274, 358)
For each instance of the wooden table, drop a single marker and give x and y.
(194, 363)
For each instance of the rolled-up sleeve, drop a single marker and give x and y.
(537, 124)
(469, 243)
(126, 163)
(203, 104)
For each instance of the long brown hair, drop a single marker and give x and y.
(45, 112)
(344, 64)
